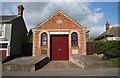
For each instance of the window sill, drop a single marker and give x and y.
(74, 47)
(44, 46)
(2, 36)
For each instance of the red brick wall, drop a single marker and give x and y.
(52, 26)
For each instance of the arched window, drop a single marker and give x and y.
(44, 39)
(74, 39)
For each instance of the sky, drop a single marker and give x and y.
(91, 15)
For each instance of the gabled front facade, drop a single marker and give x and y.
(59, 37)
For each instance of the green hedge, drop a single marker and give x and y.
(108, 48)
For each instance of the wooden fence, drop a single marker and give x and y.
(90, 48)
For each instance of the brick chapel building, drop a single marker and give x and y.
(59, 37)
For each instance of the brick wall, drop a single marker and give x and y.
(50, 25)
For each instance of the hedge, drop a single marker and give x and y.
(108, 48)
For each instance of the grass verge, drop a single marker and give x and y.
(115, 62)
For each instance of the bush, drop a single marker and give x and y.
(112, 54)
(108, 48)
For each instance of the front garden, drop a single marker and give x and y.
(110, 50)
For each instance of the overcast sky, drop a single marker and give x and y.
(92, 15)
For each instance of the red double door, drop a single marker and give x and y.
(59, 47)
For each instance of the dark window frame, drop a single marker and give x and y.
(44, 41)
(74, 39)
(3, 45)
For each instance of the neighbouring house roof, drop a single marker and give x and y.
(7, 18)
(114, 31)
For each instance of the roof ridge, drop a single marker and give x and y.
(7, 18)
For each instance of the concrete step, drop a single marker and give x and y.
(18, 67)
(89, 61)
(32, 63)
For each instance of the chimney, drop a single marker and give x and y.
(20, 10)
(107, 25)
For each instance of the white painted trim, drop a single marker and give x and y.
(47, 37)
(116, 38)
(48, 40)
(84, 53)
(57, 29)
(3, 32)
(4, 41)
(79, 25)
(33, 51)
(57, 33)
(3, 48)
(78, 33)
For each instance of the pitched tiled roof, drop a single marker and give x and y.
(114, 31)
(7, 18)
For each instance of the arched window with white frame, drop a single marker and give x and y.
(74, 39)
(44, 39)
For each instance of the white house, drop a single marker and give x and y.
(112, 33)
(13, 34)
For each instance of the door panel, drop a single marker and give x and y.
(59, 47)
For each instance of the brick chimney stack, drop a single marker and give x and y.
(20, 10)
(107, 25)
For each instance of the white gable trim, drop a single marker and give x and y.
(80, 26)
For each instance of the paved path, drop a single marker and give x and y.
(59, 65)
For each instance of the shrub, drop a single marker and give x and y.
(108, 48)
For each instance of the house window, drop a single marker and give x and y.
(3, 45)
(2, 30)
(44, 39)
(74, 39)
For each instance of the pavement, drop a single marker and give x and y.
(67, 72)
(67, 68)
